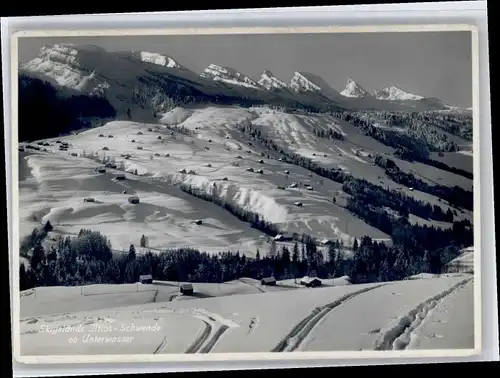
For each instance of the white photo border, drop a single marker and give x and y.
(480, 176)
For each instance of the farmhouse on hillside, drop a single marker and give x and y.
(268, 281)
(146, 279)
(283, 237)
(133, 199)
(187, 289)
(310, 281)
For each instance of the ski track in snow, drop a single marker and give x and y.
(400, 334)
(293, 340)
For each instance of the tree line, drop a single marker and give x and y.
(456, 196)
(87, 259)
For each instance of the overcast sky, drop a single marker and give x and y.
(434, 64)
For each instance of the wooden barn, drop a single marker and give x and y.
(146, 279)
(133, 199)
(310, 282)
(187, 289)
(268, 281)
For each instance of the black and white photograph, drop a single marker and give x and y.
(187, 194)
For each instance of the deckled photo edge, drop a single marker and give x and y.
(478, 304)
(243, 30)
(14, 203)
(14, 219)
(257, 356)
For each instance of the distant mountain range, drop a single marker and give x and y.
(129, 79)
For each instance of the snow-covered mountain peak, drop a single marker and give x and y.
(160, 60)
(229, 76)
(393, 93)
(269, 81)
(61, 62)
(354, 90)
(301, 83)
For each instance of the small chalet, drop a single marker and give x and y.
(310, 282)
(187, 289)
(133, 199)
(283, 237)
(268, 281)
(146, 279)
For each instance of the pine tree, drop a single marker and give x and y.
(144, 241)
(295, 255)
(48, 227)
(272, 250)
(131, 253)
(23, 284)
(37, 256)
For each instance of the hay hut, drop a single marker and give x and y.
(133, 199)
(187, 289)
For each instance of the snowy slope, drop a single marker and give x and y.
(463, 263)
(221, 157)
(330, 318)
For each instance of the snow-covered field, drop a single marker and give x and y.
(431, 313)
(54, 183)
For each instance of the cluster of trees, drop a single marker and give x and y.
(459, 124)
(58, 111)
(456, 196)
(447, 168)
(330, 133)
(87, 259)
(410, 142)
(254, 219)
(366, 193)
